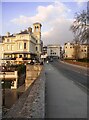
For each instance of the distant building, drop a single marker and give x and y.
(22, 46)
(53, 51)
(76, 51)
(44, 53)
(45, 50)
(83, 51)
(69, 51)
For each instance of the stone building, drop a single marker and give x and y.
(76, 51)
(25, 45)
(83, 51)
(69, 52)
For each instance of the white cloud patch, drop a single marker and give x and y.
(59, 33)
(54, 17)
(80, 2)
(43, 14)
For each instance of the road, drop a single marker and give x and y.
(76, 74)
(66, 94)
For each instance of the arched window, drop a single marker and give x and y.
(20, 56)
(36, 48)
(37, 29)
(36, 41)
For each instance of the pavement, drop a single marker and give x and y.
(64, 98)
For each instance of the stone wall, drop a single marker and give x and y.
(32, 103)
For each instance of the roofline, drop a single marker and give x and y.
(37, 23)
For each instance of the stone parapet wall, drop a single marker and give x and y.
(32, 103)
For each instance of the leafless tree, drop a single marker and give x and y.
(80, 28)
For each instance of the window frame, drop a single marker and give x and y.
(25, 45)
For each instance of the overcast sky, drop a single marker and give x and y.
(56, 18)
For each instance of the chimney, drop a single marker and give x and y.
(30, 30)
(8, 34)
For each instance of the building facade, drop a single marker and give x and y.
(53, 51)
(69, 51)
(44, 54)
(22, 46)
(76, 51)
(84, 51)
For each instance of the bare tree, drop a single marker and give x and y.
(80, 28)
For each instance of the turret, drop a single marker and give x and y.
(37, 28)
(37, 33)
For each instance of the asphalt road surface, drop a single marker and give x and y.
(76, 74)
(66, 93)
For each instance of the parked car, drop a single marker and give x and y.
(51, 60)
(32, 62)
